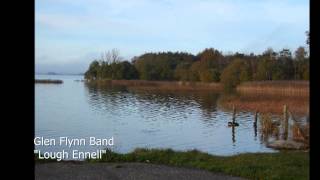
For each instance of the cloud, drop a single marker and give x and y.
(71, 29)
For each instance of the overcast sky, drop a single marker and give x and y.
(71, 33)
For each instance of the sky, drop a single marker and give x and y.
(69, 34)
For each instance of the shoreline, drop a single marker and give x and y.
(159, 85)
(48, 81)
(283, 88)
(126, 171)
(279, 165)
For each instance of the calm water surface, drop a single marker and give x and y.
(181, 121)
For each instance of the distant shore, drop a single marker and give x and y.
(49, 81)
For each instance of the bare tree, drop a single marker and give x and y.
(111, 56)
(270, 53)
(300, 53)
(115, 55)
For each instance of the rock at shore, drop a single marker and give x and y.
(287, 144)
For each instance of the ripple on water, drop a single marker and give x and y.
(182, 121)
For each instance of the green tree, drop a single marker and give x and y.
(285, 62)
(306, 74)
(300, 53)
(124, 70)
(236, 72)
(210, 65)
(182, 72)
(299, 63)
(161, 66)
(92, 72)
(264, 69)
(195, 70)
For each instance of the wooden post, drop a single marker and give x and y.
(234, 114)
(286, 121)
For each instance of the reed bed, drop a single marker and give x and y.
(284, 88)
(266, 103)
(268, 126)
(49, 81)
(300, 133)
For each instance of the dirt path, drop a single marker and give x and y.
(122, 171)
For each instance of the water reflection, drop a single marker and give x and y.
(233, 134)
(152, 119)
(182, 110)
(158, 102)
(255, 129)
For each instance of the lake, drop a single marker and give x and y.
(146, 119)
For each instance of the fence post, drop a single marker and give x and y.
(234, 114)
(286, 121)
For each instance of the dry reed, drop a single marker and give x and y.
(266, 103)
(300, 133)
(268, 126)
(284, 88)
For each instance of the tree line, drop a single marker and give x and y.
(209, 65)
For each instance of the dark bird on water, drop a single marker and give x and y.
(233, 124)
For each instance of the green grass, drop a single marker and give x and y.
(283, 165)
(37, 160)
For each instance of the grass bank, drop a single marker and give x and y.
(282, 165)
(48, 81)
